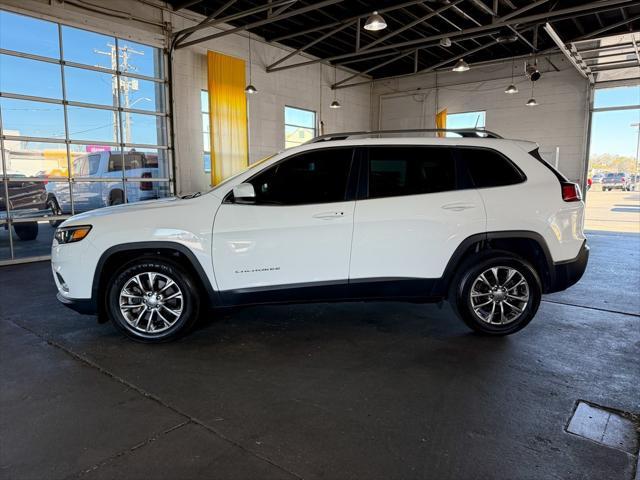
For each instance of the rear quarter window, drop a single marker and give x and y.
(488, 168)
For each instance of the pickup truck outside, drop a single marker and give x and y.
(26, 199)
(93, 189)
(615, 181)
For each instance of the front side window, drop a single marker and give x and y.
(318, 176)
(397, 171)
(488, 168)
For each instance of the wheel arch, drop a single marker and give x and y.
(529, 245)
(116, 256)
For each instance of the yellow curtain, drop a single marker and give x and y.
(441, 121)
(228, 116)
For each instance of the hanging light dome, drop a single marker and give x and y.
(461, 66)
(375, 22)
(250, 89)
(532, 101)
(335, 104)
(511, 89)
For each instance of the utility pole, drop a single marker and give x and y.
(124, 85)
(637, 126)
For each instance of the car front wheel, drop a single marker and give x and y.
(152, 300)
(496, 295)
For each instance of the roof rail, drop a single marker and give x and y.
(463, 132)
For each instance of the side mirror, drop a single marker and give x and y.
(244, 191)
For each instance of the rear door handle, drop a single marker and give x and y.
(458, 207)
(329, 215)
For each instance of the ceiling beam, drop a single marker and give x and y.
(426, 70)
(185, 4)
(339, 22)
(236, 16)
(512, 18)
(260, 23)
(311, 44)
(412, 24)
(490, 62)
(375, 67)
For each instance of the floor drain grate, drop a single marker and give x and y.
(604, 426)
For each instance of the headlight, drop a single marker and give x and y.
(72, 234)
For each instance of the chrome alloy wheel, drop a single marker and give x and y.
(151, 302)
(499, 295)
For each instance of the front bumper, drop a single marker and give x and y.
(80, 305)
(568, 273)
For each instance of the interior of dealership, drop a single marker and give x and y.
(133, 101)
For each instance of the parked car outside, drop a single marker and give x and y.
(483, 222)
(93, 189)
(597, 178)
(614, 181)
(27, 198)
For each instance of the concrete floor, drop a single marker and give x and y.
(614, 211)
(320, 391)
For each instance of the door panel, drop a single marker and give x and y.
(259, 245)
(415, 212)
(412, 236)
(296, 233)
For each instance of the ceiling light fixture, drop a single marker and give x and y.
(250, 89)
(375, 22)
(532, 101)
(335, 103)
(511, 89)
(461, 66)
(445, 42)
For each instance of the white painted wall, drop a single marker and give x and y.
(558, 121)
(144, 21)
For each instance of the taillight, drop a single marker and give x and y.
(146, 185)
(571, 192)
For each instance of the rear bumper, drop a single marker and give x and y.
(80, 305)
(570, 272)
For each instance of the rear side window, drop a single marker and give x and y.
(397, 171)
(318, 176)
(536, 154)
(488, 168)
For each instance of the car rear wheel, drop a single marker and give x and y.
(497, 294)
(152, 300)
(26, 231)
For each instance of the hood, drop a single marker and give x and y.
(125, 209)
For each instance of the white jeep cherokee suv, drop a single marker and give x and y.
(482, 222)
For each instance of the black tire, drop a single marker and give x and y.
(26, 231)
(116, 197)
(189, 308)
(54, 206)
(469, 272)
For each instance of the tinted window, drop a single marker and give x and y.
(488, 168)
(314, 177)
(395, 171)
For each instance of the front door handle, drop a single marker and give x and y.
(458, 207)
(329, 215)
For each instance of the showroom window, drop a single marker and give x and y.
(84, 125)
(299, 126)
(465, 120)
(206, 132)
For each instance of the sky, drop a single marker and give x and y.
(611, 132)
(36, 78)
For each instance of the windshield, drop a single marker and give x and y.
(250, 167)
